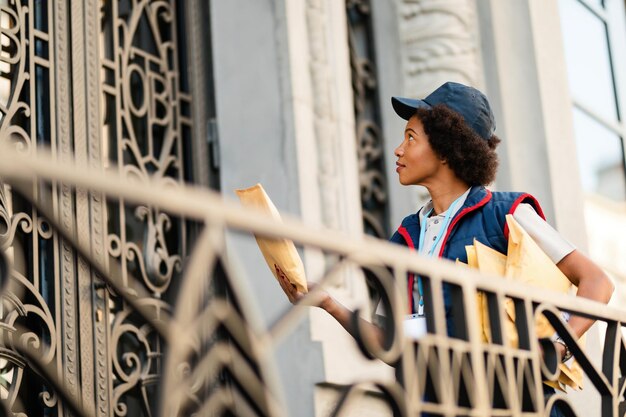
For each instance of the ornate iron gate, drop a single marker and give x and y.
(95, 81)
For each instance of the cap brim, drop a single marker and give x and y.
(406, 107)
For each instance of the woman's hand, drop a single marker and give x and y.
(290, 289)
(325, 301)
(295, 296)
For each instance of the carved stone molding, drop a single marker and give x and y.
(325, 133)
(97, 216)
(81, 108)
(69, 360)
(439, 40)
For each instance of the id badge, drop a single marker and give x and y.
(414, 326)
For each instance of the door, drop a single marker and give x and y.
(119, 85)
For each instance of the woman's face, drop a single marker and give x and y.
(417, 162)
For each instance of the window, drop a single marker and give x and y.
(594, 38)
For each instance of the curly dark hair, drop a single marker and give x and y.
(472, 159)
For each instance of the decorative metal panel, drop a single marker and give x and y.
(27, 122)
(367, 115)
(146, 132)
(109, 79)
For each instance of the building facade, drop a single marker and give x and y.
(318, 91)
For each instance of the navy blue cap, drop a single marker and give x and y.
(470, 103)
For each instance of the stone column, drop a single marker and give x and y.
(527, 84)
(327, 163)
(259, 143)
(285, 118)
(321, 100)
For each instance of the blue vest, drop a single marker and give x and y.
(482, 217)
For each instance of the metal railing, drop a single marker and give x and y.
(217, 363)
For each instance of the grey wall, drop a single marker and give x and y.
(257, 144)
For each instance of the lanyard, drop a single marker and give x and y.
(444, 227)
(431, 251)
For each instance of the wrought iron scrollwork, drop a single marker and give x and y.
(147, 121)
(369, 147)
(15, 101)
(26, 239)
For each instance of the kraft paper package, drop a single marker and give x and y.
(526, 263)
(279, 253)
(481, 299)
(480, 296)
(492, 262)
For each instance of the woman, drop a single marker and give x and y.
(449, 148)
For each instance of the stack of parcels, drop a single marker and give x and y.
(280, 254)
(525, 263)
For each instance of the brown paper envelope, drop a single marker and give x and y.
(480, 296)
(492, 262)
(527, 263)
(279, 253)
(489, 260)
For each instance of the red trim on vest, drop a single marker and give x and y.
(466, 210)
(407, 238)
(519, 200)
